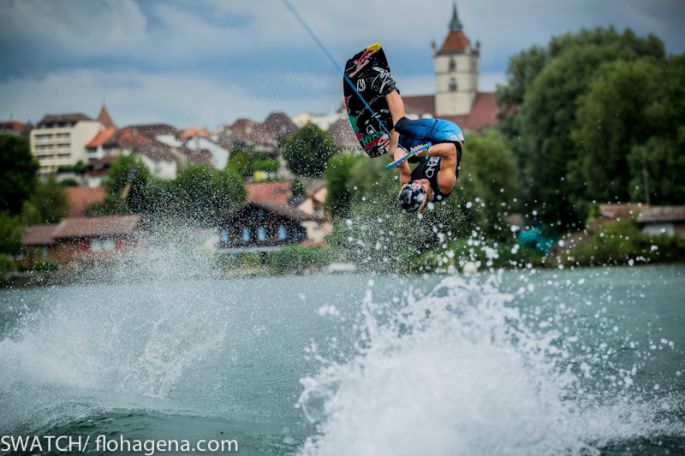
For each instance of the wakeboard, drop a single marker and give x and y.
(367, 77)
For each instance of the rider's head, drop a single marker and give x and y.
(414, 195)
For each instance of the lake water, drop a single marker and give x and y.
(523, 362)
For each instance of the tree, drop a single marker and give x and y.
(308, 150)
(17, 173)
(205, 194)
(656, 165)
(297, 189)
(542, 135)
(11, 231)
(126, 184)
(611, 120)
(489, 168)
(338, 174)
(240, 160)
(48, 203)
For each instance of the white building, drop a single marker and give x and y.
(200, 143)
(60, 140)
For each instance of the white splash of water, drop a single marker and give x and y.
(458, 372)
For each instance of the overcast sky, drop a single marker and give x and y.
(206, 62)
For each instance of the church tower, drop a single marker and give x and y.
(456, 71)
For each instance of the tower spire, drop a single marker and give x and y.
(455, 23)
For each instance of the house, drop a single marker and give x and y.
(457, 97)
(342, 134)
(201, 147)
(314, 205)
(96, 170)
(37, 242)
(77, 240)
(656, 220)
(80, 198)
(263, 226)
(141, 140)
(14, 127)
(265, 137)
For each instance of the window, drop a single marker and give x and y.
(452, 65)
(261, 233)
(224, 235)
(453, 85)
(245, 234)
(282, 233)
(97, 245)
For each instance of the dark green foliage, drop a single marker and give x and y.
(267, 165)
(619, 243)
(308, 150)
(489, 179)
(126, 184)
(240, 160)
(70, 182)
(245, 160)
(572, 112)
(6, 266)
(611, 120)
(297, 189)
(296, 259)
(338, 174)
(17, 173)
(45, 265)
(48, 204)
(204, 194)
(11, 231)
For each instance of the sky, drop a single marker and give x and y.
(209, 62)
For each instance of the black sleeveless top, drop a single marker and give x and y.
(428, 169)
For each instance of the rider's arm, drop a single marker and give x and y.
(405, 170)
(443, 150)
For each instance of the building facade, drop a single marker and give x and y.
(59, 140)
(263, 226)
(457, 94)
(456, 71)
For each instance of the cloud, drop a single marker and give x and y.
(202, 61)
(142, 97)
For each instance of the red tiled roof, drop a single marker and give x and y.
(483, 111)
(96, 226)
(419, 104)
(79, 198)
(268, 191)
(101, 138)
(13, 126)
(39, 235)
(140, 142)
(191, 132)
(455, 42)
